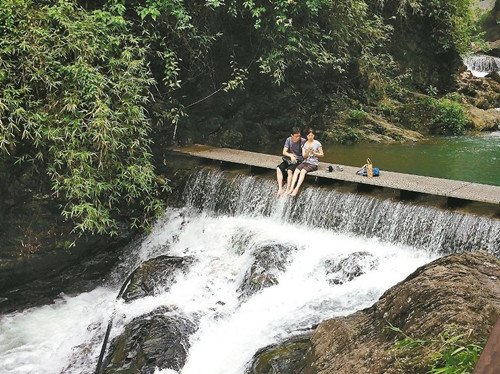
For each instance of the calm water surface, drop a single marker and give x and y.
(469, 158)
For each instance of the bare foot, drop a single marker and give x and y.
(294, 193)
(287, 192)
(280, 192)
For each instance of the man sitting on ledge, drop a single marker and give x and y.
(292, 156)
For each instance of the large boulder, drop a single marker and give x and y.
(159, 339)
(154, 276)
(461, 289)
(268, 261)
(484, 120)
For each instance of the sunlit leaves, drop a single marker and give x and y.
(238, 77)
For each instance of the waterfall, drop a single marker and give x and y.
(424, 227)
(322, 255)
(481, 65)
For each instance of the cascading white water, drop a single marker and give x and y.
(422, 227)
(241, 218)
(481, 65)
(44, 339)
(228, 337)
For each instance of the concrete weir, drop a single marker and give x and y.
(408, 184)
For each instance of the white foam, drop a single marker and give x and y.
(66, 336)
(43, 340)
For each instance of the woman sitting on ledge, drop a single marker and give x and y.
(311, 151)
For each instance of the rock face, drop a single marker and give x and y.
(483, 97)
(490, 25)
(379, 130)
(157, 274)
(158, 339)
(462, 288)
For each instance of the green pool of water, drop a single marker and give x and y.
(468, 158)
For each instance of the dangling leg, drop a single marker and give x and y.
(299, 183)
(289, 180)
(294, 180)
(279, 179)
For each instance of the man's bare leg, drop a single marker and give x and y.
(289, 180)
(279, 179)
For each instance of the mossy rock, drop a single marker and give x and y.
(157, 274)
(284, 358)
(269, 261)
(159, 339)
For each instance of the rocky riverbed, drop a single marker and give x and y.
(461, 289)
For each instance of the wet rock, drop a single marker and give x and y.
(349, 267)
(269, 261)
(284, 358)
(155, 275)
(463, 289)
(157, 339)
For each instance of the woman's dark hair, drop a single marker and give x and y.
(310, 131)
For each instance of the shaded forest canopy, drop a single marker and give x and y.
(92, 91)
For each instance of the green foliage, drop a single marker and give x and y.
(73, 89)
(432, 91)
(442, 116)
(349, 136)
(453, 22)
(387, 108)
(449, 118)
(342, 135)
(221, 40)
(453, 351)
(356, 116)
(78, 86)
(199, 49)
(238, 78)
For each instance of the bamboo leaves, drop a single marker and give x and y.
(72, 96)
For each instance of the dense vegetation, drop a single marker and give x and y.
(91, 91)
